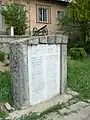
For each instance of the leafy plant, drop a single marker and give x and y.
(5, 87)
(15, 15)
(77, 17)
(77, 53)
(2, 56)
(3, 115)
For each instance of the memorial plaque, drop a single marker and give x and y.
(38, 71)
(44, 72)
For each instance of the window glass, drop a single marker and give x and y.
(60, 14)
(43, 14)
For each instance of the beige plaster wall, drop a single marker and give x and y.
(54, 8)
(31, 13)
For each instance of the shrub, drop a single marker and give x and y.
(15, 15)
(77, 53)
(2, 56)
(87, 47)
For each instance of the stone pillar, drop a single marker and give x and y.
(38, 69)
(19, 74)
(63, 63)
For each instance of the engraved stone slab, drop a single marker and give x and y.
(38, 71)
(44, 72)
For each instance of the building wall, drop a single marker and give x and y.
(23, 2)
(54, 8)
(31, 14)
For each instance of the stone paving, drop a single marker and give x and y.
(78, 111)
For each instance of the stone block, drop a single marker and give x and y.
(9, 107)
(18, 52)
(43, 39)
(59, 39)
(38, 72)
(51, 39)
(33, 41)
(65, 39)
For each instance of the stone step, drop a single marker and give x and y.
(74, 108)
(78, 111)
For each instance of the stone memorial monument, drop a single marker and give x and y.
(38, 69)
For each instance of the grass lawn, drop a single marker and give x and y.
(5, 87)
(79, 77)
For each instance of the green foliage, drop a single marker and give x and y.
(77, 17)
(79, 77)
(5, 87)
(15, 15)
(77, 53)
(2, 56)
(3, 115)
(80, 12)
(65, 23)
(32, 116)
(79, 43)
(86, 46)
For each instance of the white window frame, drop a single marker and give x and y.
(48, 12)
(43, 15)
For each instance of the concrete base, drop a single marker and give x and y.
(38, 69)
(42, 106)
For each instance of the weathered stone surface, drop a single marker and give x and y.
(33, 41)
(63, 71)
(65, 39)
(5, 40)
(34, 70)
(51, 39)
(43, 39)
(9, 107)
(4, 47)
(70, 92)
(41, 107)
(79, 106)
(19, 74)
(59, 39)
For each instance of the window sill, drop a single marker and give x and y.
(43, 22)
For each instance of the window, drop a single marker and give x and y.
(43, 14)
(60, 14)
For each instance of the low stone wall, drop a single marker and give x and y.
(5, 40)
(38, 69)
